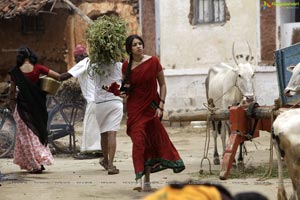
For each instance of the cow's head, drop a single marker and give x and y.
(293, 86)
(245, 81)
(245, 73)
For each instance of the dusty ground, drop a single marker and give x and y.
(85, 179)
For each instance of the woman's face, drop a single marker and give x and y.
(137, 47)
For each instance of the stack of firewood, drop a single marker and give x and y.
(70, 92)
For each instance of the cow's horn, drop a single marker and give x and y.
(250, 51)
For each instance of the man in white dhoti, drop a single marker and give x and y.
(91, 139)
(109, 114)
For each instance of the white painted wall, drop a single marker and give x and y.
(186, 89)
(287, 33)
(184, 46)
(187, 52)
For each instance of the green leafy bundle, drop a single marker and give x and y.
(106, 38)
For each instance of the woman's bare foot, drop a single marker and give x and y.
(138, 185)
(147, 187)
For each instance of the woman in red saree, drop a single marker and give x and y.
(152, 149)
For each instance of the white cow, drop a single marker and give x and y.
(286, 138)
(228, 85)
(293, 86)
(286, 141)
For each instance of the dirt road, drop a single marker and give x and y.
(85, 179)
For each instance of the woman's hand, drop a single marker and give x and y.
(159, 113)
(123, 95)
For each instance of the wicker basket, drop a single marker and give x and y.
(49, 84)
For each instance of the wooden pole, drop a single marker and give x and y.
(78, 11)
(221, 114)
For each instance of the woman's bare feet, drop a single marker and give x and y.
(138, 185)
(147, 187)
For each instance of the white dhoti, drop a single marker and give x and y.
(91, 133)
(109, 115)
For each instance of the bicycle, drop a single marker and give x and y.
(7, 129)
(64, 123)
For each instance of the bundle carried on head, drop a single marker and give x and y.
(106, 39)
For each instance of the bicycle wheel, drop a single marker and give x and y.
(7, 134)
(65, 126)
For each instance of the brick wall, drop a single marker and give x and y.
(268, 34)
(148, 26)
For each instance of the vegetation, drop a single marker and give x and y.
(106, 40)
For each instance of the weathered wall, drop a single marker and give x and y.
(148, 26)
(78, 29)
(185, 46)
(268, 34)
(186, 88)
(50, 46)
(63, 30)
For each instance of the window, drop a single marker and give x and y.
(32, 24)
(208, 11)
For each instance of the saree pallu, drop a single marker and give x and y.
(151, 143)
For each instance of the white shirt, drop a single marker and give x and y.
(87, 84)
(114, 75)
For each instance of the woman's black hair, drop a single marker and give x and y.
(24, 53)
(128, 44)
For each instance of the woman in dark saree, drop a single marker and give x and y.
(28, 104)
(152, 149)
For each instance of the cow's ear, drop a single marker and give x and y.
(229, 67)
(290, 68)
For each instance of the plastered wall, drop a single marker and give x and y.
(185, 46)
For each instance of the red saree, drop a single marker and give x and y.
(151, 143)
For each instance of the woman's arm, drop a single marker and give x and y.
(54, 74)
(162, 94)
(162, 88)
(12, 95)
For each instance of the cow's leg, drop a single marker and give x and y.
(292, 159)
(216, 128)
(240, 163)
(223, 135)
(281, 193)
(294, 175)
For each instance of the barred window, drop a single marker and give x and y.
(32, 24)
(208, 11)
